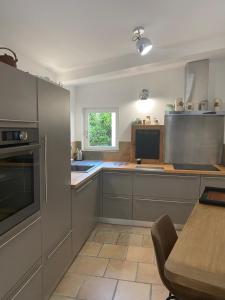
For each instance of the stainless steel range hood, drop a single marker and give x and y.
(194, 138)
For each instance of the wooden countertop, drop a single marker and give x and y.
(78, 178)
(198, 258)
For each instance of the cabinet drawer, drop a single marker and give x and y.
(31, 289)
(18, 94)
(56, 265)
(119, 183)
(212, 182)
(151, 210)
(117, 207)
(167, 186)
(18, 255)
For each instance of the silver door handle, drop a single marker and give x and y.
(46, 167)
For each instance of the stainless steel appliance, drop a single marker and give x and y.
(194, 138)
(19, 175)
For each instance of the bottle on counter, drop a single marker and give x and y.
(79, 154)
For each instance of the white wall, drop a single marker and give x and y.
(164, 87)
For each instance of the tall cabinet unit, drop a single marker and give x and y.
(53, 114)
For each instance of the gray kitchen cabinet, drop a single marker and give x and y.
(18, 255)
(115, 206)
(54, 129)
(30, 289)
(56, 265)
(212, 181)
(117, 182)
(19, 94)
(150, 210)
(84, 212)
(167, 186)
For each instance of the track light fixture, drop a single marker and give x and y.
(143, 45)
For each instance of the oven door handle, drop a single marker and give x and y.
(12, 150)
(46, 167)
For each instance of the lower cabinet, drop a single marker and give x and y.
(18, 255)
(115, 206)
(30, 289)
(56, 265)
(84, 212)
(151, 210)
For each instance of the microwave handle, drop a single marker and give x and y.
(10, 151)
(46, 167)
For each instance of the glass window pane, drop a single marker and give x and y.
(100, 129)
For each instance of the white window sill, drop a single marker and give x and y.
(102, 150)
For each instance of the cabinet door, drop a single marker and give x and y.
(31, 289)
(172, 187)
(119, 207)
(53, 108)
(18, 255)
(84, 212)
(151, 210)
(119, 183)
(18, 94)
(56, 265)
(210, 181)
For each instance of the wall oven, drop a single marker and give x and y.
(19, 176)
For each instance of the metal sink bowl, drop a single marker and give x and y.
(148, 168)
(82, 168)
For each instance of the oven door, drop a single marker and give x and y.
(19, 185)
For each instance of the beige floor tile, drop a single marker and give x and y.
(159, 292)
(113, 251)
(91, 249)
(147, 241)
(121, 269)
(141, 230)
(132, 291)
(106, 237)
(97, 288)
(57, 297)
(140, 254)
(70, 285)
(148, 273)
(89, 265)
(130, 239)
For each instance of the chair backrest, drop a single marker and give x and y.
(164, 237)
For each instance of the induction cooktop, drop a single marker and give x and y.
(195, 167)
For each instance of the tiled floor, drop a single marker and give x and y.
(116, 263)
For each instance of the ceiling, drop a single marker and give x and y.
(71, 36)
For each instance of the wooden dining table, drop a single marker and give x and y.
(197, 260)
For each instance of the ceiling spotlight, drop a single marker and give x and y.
(143, 45)
(144, 95)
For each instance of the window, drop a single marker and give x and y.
(100, 129)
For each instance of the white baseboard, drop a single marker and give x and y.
(132, 222)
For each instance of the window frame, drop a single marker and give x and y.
(86, 146)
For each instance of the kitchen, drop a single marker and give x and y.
(97, 142)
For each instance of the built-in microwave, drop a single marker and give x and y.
(19, 176)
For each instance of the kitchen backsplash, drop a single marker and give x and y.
(123, 154)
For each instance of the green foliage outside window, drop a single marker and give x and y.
(100, 129)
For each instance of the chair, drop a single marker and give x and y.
(164, 237)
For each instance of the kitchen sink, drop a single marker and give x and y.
(147, 168)
(82, 168)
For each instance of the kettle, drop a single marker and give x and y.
(8, 59)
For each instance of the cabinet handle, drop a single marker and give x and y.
(118, 197)
(170, 176)
(84, 186)
(46, 167)
(120, 173)
(18, 121)
(164, 201)
(59, 245)
(26, 283)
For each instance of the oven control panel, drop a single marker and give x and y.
(13, 137)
